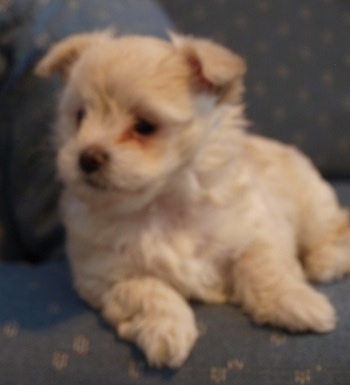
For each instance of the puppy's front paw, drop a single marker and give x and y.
(166, 340)
(154, 316)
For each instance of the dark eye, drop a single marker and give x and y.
(144, 128)
(80, 115)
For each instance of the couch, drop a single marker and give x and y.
(297, 91)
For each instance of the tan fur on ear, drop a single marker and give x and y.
(215, 68)
(64, 54)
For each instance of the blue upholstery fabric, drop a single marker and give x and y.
(298, 56)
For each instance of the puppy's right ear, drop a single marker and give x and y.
(215, 69)
(62, 56)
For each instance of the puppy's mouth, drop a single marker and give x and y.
(100, 185)
(103, 185)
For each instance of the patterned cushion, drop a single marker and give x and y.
(29, 190)
(298, 56)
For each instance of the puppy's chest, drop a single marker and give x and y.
(173, 245)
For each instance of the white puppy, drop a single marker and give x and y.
(168, 199)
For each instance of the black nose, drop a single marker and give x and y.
(92, 158)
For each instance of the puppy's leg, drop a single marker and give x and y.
(329, 260)
(146, 311)
(274, 292)
(324, 233)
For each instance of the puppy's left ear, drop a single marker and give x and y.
(214, 68)
(63, 55)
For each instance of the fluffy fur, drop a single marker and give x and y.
(193, 208)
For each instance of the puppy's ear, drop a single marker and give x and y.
(62, 56)
(215, 68)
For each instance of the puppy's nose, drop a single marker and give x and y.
(92, 158)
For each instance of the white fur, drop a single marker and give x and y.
(220, 216)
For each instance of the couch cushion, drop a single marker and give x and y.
(29, 188)
(48, 336)
(343, 191)
(298, 57)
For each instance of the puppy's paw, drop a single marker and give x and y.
(301, 310)
(329, 263)
(151, 314)
(166, 340)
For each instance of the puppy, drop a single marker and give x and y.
(168, 199)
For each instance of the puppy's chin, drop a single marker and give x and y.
(101, 194)
(99, 185)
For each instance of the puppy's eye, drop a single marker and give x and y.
(145, 128)
(80, 116)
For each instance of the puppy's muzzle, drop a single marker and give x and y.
(92, 159)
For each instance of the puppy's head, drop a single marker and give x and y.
(134, 109)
